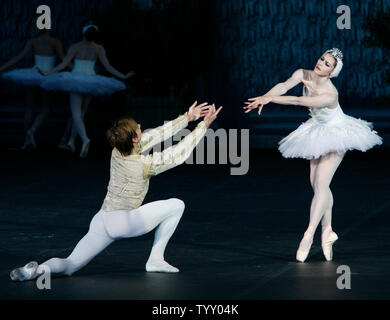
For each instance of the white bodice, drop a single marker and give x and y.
(324, 114)
(45, 63)
(84, 67)
(327, 115)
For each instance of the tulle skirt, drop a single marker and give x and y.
(29, 77)
(312, 139)
(82, 83)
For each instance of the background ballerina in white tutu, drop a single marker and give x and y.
(323, 139)
(45, 49)
(83, 83)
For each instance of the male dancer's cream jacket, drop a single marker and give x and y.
(129, 175)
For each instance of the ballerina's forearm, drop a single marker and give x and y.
(287, 100)
(115, 72)
(59, 67)
(322, 100)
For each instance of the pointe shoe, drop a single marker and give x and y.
(27, 143)
(85, 149)
(66, 147)
(303, 252)
(28, 272)
(160, 266)
(327, 245)
(62, 145)
(30, 135)
(25, 146)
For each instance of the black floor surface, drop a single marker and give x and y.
(237, 238)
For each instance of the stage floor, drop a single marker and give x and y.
(237, 238)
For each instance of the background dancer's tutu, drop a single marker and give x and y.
(83, 80)
(31, 77)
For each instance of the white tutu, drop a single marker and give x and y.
(82, 80)
(328, 130)
(30, 77)
(82, 83)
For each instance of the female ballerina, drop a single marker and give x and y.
(82, 83)
(45, 49)
(122, 214)
(323, 139)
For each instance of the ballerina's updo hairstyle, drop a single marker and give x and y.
(121, 135)
(90, 31)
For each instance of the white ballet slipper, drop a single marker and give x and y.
(160, 266)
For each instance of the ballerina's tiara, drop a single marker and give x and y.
(89, 26)
(335, 52)
(338, 55)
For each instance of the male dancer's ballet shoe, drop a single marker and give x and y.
(160, 266)
(30, 135)
(28, 272)
(304, 248)
(85, 149)
(327, 245)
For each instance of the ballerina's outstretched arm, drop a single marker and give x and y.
(278, 90)
(322, 100)
(169, 129)
(106, 64)
(18, 57)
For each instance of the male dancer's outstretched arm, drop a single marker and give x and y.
(169, 129)
(173, 156)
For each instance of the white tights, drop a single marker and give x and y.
(78, 105)
(106, 227)
(321, 174)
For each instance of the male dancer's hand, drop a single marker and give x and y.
(195, 112)
(211, 115)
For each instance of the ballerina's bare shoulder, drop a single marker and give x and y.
(313, 90)
(87, 51)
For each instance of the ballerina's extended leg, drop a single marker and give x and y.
(76, 103)
(73, 134)
(28, 119)
(322, 177)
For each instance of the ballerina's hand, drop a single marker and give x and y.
(257, 102)
(42, 72)
(197, 111)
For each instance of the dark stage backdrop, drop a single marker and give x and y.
(262, 42)
(235, 49)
